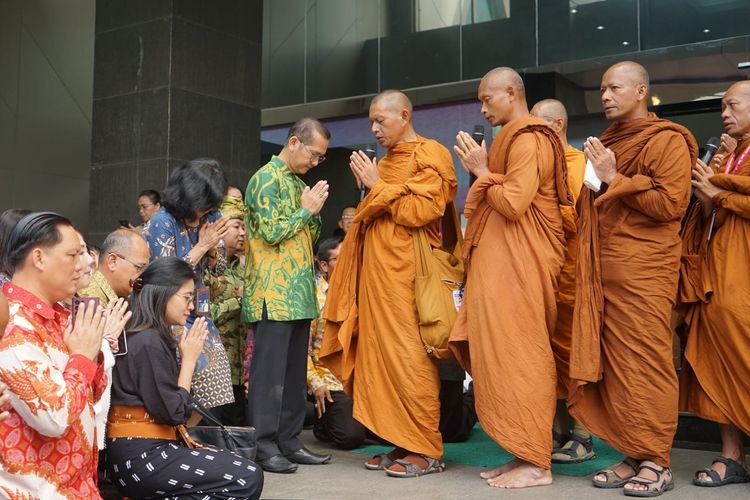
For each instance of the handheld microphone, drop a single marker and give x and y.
(711, 146)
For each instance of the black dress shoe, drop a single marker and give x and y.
(306, 457)
(277, 464)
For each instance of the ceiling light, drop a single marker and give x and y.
(655, 100)
(573, 11)
(626, 42)
(706, 30)
(600, 27)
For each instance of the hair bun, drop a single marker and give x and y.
(137, 284)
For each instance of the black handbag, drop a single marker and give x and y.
(240, 440)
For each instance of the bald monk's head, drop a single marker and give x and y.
(502, 95)
(553, 112)
(625, 91)
(735, 110)
(391, 118)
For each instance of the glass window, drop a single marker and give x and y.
(283, 53)
(583, 29)
(342, 48)
(666, 23)
(497, 33)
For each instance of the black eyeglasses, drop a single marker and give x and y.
(138, 267)
(315, 157)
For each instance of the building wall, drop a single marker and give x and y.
(46, 79)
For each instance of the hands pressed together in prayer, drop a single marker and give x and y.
(85, 338)
(211, 233)
(365, 170)
(705, 190)
(602, 159)
(4, 398)
(313, 198)
(117, 315)
(191, 344)
(473, 156)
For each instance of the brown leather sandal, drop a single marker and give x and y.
(654, 488)
(614, 480)
(411, 469)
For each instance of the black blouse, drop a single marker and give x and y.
(147, 376)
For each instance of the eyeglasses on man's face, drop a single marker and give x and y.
(317, 158)
(138, 267)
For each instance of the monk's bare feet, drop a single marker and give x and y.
(497, 471)
(524, 475)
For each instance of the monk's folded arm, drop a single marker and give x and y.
(417, 202)
(263, 202)
(734, 202)
(738, 183)
(514, 193)
(660, 194)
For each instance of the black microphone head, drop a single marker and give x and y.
(711, 146)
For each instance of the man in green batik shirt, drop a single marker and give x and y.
(282, 223)
(226, 300)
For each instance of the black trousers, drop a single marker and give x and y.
(232, 413)
(276, 400)
(337, 425)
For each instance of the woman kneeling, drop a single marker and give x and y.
(151, 396)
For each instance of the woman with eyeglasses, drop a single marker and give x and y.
(151, 401)
(149, 201)
(189, 226)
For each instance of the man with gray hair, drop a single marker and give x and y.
(123, 256)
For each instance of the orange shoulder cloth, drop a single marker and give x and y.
(498, 158)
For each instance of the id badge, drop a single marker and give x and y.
(458, 298)
(202, 301)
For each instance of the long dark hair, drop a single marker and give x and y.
(152, 290)
(197, 185)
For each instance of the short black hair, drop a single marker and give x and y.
(8, 220)
(242, 193)
(305, 128)
(37, 229)
(198, 185)
(151, 292)
(324, 248)
(152, 195)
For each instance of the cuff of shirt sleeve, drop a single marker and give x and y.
(84, 365)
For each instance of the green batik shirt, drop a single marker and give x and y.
(226, 293)
(279, 238)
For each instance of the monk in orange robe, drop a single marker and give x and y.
(715, 378)
(571, 442)
(624, 384)
(515, 248)
(371, 340)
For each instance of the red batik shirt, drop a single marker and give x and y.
(47, 445)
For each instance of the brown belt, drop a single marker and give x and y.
(135, 422)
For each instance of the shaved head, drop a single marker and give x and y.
(551, 110)
(503, 77)
(392, 100)
(502, 95)
(391, 118)
(625, 91)
(735, 110)
(632, 71)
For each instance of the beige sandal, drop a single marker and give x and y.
(614, 480)
(654, 488)
(411, 469)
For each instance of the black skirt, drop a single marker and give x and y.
(153, 468)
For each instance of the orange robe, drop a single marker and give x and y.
(515, 249)
(566, 293)
(623, 380)
(371, 340)
(715, 380)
